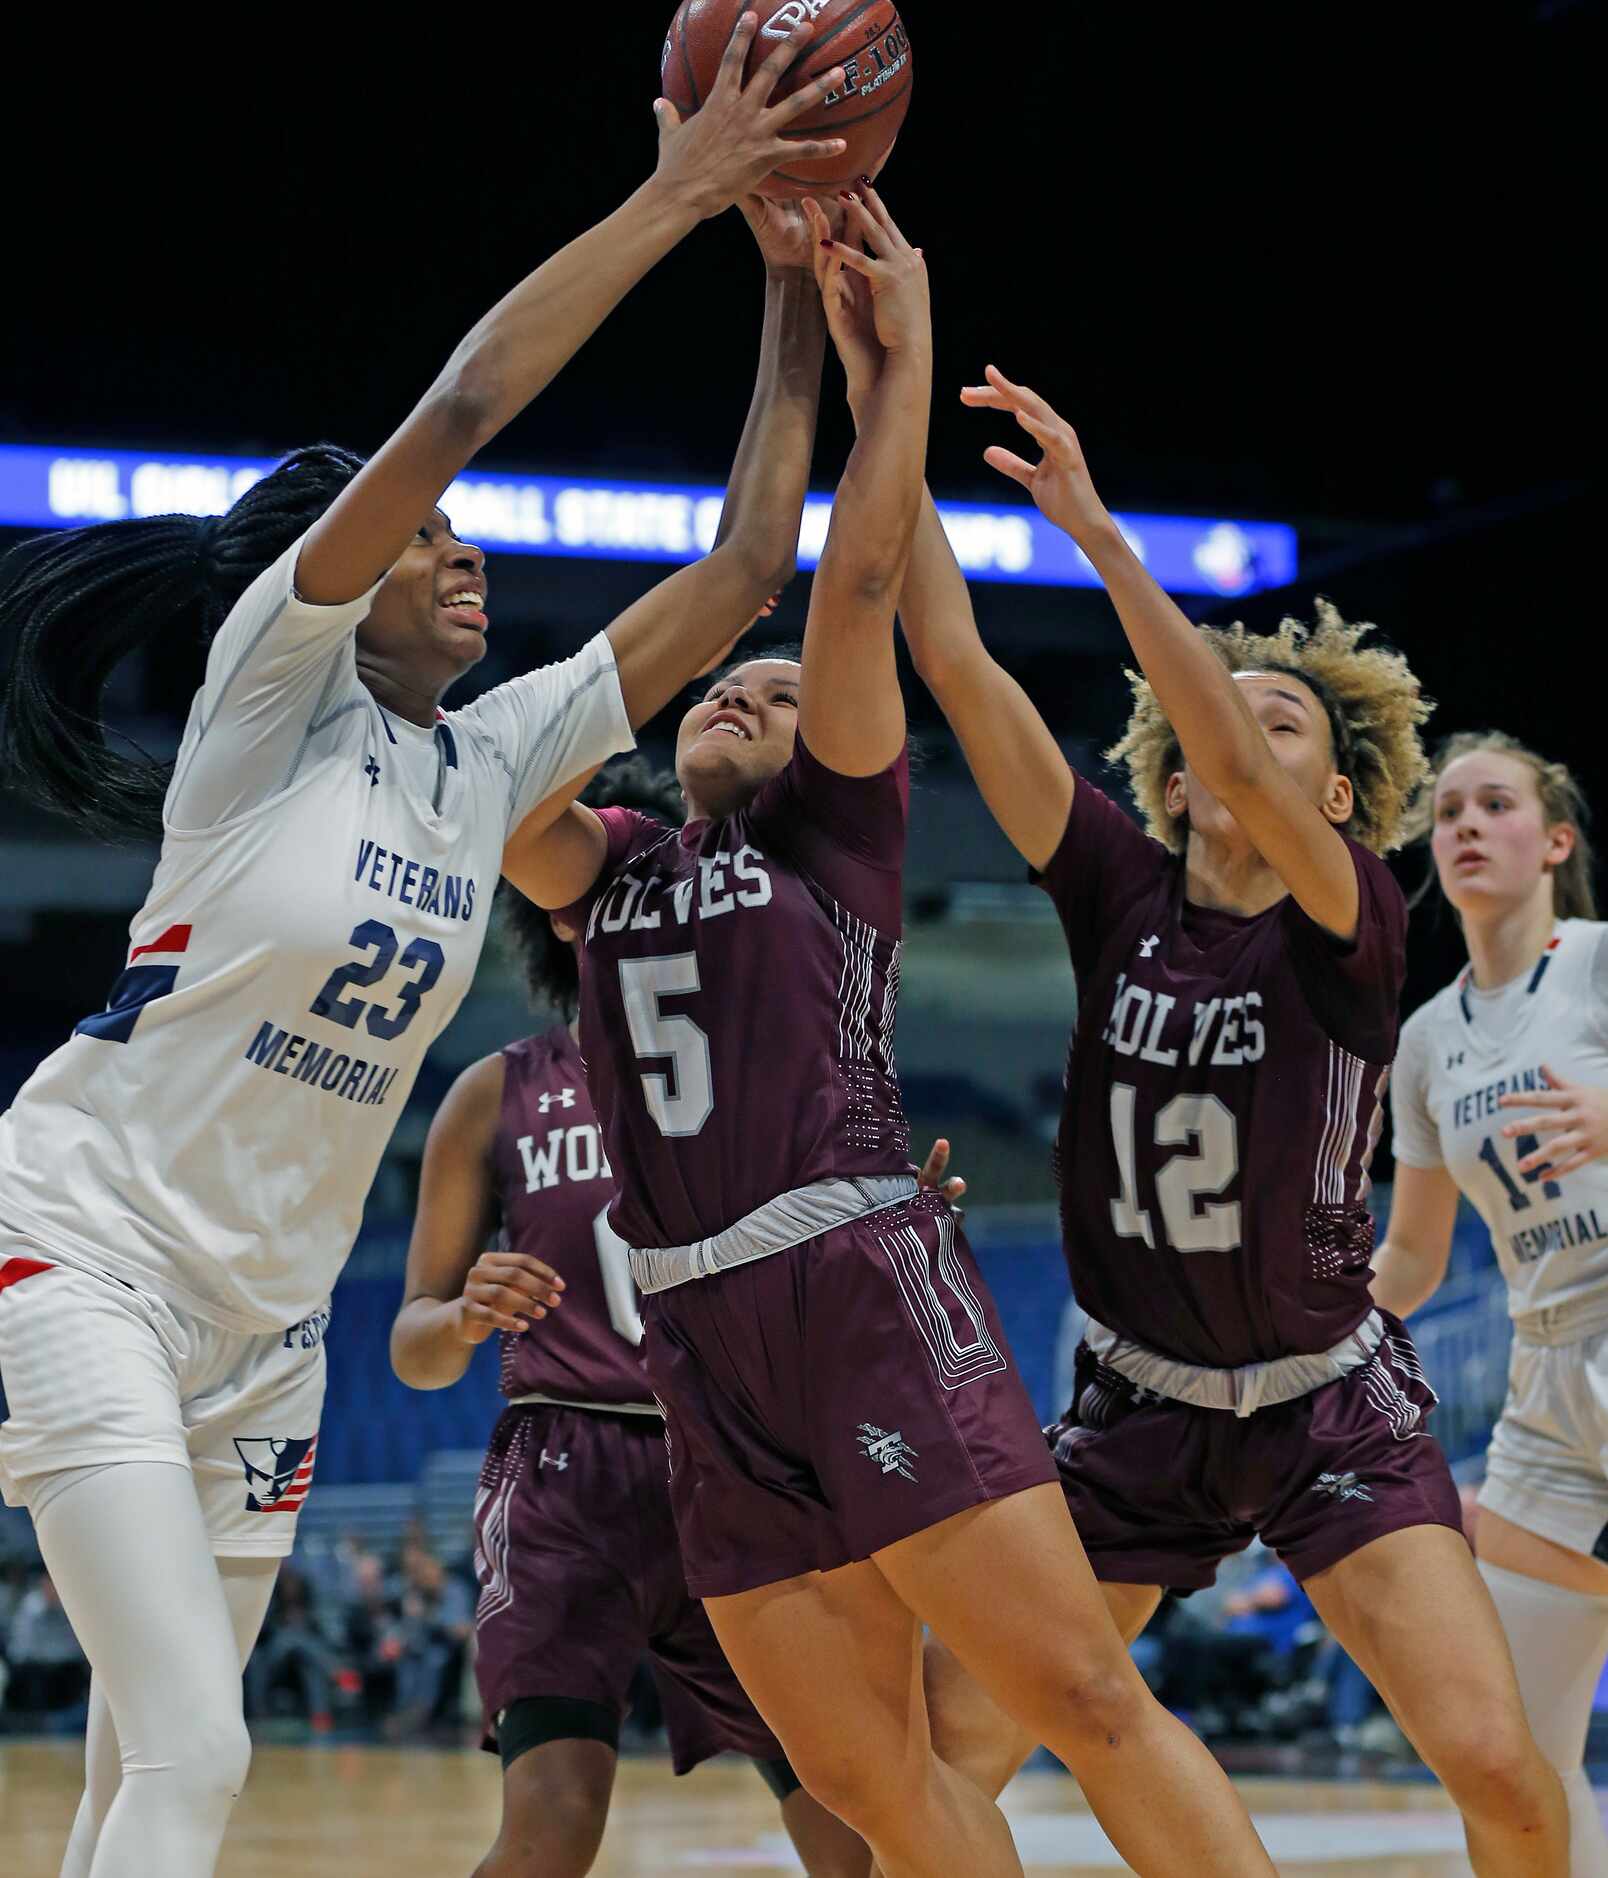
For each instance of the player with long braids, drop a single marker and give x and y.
(181, 1181)
(1500, 1093)
(852, 1451)
(580, 1573)
(1239, 968)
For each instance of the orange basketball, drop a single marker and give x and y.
(866, 37)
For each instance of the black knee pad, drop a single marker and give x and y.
(778, 1775)
(535, 1720)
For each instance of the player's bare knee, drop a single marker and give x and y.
(1089, 1707)
(853, 1785)
(1495, 1771)
(552, 1830)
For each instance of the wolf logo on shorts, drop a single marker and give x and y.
(278, 1472)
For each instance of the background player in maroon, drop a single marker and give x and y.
(852, 1451)
(579, 1569)
(1238, 976)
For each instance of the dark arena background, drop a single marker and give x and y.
(1313, 285)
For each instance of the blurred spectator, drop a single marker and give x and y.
(48, 1670)
(293, 1653)
(435, 1622)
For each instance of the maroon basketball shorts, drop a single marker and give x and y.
(1161, 1492)
(835, 1398)
(580, 1577)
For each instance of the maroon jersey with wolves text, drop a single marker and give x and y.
(739, 980)
(1222, 1100)
(554, 1187)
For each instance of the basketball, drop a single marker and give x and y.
(866, 37)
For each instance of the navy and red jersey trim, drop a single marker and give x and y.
(1540, 972)
(138, 986)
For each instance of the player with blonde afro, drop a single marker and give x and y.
(1239, 972)
(1369, 694)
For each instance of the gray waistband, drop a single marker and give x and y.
(1571, 1320)
(788, 1220)
(1244, 1390)
(592, 1408)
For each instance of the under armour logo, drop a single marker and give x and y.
(891, 1452)
(565, 1098)
(1147, 946)
(560, 1461)
(1455, 1062)
(1342, 1487)
(371, 769)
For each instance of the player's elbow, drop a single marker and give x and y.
(413, 1359)
(947, 670)
(468, 405)
(764, 557)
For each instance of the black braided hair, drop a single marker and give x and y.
(547, 961)
(74, 604)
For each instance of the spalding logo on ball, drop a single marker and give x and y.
(868, 40)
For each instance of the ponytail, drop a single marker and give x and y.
(75, 604)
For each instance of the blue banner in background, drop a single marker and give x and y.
(597, 519)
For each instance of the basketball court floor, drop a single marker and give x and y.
(351, 1812)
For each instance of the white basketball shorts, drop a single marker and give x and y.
(96, 1372)
(1547, 1469)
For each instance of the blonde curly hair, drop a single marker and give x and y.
(1374, 705)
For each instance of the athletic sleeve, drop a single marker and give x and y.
(629, 832)
(276, 667)
(1105, 862)
(554, 723)
(1415, 1140)
(1354, 990)
(846, 833)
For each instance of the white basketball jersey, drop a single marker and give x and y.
(1464, 1050)
(325, 880)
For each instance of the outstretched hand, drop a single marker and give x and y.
(784, 231)
(895, 274)
(846, 298)
(1059, 483)
(735, 140)
(1572, 1125)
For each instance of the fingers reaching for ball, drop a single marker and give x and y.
(735, 139)
(1059, 483)
(874, 248)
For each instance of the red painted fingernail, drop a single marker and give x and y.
(826, 244)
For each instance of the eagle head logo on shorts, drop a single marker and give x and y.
(279, 1471)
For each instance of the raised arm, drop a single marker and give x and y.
(851, 712)
(456, 1293)
(704, 166)
(676, 629)
(1225, 746)
(1018, 765)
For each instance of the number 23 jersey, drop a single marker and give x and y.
(316, 915)
(1222, 1101)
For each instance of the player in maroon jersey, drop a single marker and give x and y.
(852, 1450)
(580, 1574)
(1238, 969)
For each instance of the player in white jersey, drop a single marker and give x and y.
(1500, 1092)
(181, 1181)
